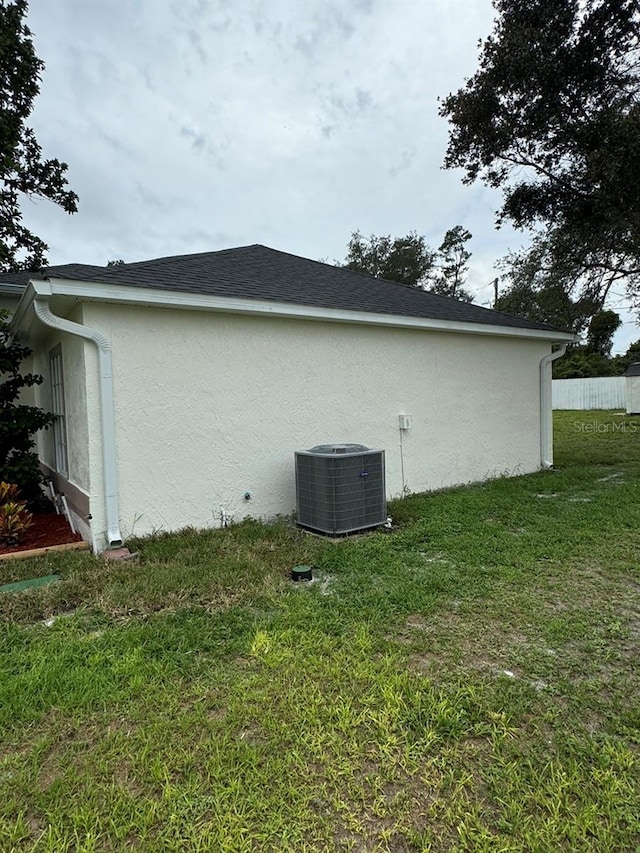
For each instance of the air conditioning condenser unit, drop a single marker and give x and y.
(340, 488)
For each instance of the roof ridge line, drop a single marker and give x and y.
(165, 258)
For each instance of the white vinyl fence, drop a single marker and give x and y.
(603, 392)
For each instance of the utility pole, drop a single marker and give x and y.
(495, 293)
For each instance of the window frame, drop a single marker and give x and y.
(58, 409)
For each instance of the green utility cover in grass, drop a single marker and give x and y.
(29, 583)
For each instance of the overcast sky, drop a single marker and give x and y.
(196, 125)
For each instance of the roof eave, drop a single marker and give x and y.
(7, 289)
(129, 295)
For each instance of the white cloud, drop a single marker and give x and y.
(255, 121)
(195, 125)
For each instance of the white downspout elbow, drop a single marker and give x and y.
(107, 416)
(546, 408)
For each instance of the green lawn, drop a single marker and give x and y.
(469, 681)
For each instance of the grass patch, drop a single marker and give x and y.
(595, 438)
(466, 682)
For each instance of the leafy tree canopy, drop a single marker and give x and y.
(23, 171)
(594, 357)
(410, 260)
(582, 362)
(631, 356)
(552, 116)
(602, 328)
(540, 289)
(578, 363)
(452, 265)
(18, 422)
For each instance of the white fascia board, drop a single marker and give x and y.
(23, 306)
(7, 289)
(125, 294)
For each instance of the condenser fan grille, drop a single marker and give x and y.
(340, 488)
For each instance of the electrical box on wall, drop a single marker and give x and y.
(405, 421)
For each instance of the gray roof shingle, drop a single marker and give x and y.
(258, 272)
(63, 271)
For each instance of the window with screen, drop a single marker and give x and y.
(57, 408)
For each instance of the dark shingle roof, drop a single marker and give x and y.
(257, 272)
(82, 271)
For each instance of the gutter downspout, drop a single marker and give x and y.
(107, 416)
(546, 411)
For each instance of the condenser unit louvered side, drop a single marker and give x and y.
(340, 488)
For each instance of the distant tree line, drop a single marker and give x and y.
(536, 292)
(410, 260)
(583, 362)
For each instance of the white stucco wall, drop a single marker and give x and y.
(210, 406)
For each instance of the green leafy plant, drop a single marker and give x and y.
(15, 518)
(8, 492)
(18, 423)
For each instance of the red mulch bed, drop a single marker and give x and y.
(48, 529)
